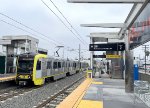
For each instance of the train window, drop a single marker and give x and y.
(59, 64)
(55, 65)
(48, 65)
(38, 67)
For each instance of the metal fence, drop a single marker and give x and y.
(142, 91)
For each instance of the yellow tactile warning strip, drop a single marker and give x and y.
(75, 99)
(97, 82)
(90, 104)
(77, 94)
(7, 78)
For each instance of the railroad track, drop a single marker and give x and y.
(15, 92)
(58, 97)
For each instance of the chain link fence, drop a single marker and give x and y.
(142, 91)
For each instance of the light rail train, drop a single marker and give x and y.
(37, 68)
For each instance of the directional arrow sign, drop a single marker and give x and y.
(107, 47)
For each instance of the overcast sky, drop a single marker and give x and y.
(36, 15)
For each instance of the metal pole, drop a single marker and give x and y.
(145, 58)
(6, 59)
(79, 53)
(92, 53)
(63, 53)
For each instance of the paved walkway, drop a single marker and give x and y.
(114, 95)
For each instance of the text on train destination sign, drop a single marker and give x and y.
(107, 47)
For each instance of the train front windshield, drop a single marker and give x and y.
(25, 66)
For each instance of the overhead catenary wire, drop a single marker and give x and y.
(63, 22)
(24, 30)
(67, 21)
(30, 28)
(49, 39)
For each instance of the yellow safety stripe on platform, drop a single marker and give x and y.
(79, 100)
(97, 82)
(7, 78)
(73, 98)
(90, 104)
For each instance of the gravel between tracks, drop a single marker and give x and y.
(30, 99)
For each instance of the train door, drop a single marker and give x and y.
(49, 68)
(70, 69)
(71, 66)
(38, 69)
(60, 69)
(66, 65)
(63, 66)
(55, 68)
(44, 67)
(74, 67)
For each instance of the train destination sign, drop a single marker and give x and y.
(107, 47)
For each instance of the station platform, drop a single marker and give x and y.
(7, 77)
(101, 93)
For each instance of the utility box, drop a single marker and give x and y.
(136, 72)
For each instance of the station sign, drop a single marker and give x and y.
(107, 47)
(113, 56)
(99, 56)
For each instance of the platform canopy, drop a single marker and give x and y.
(103, 36)
(105, 1)
(105, 25)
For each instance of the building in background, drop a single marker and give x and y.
(13, 46)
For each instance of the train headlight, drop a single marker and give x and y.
(29, 77)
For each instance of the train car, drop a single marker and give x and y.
(83, 66)
(77, 66)
(38, 67)
(70, 67)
